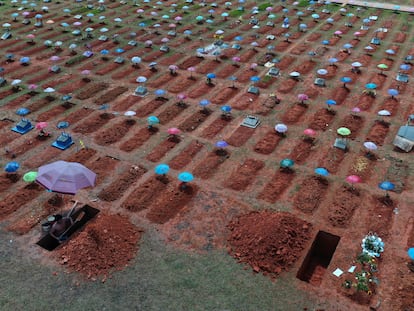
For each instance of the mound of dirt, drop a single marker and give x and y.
(107, 243)
(269, 242)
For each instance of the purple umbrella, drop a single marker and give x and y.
(65, 177)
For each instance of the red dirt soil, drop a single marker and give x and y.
(269, 242)
(108, 243)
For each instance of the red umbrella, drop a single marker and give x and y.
(173, 131)
(41, 125)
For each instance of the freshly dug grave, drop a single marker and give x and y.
(108, 243)
(269, 242)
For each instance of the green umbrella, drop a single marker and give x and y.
(382, 66)
(30, 176)
(343, 131)
(286, 163)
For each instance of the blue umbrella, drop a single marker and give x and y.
(187, 32)
(346, 79)
(22, 111)
(162, 169)
(321, 171)
(211, 75)
(393, 92)
(185, 177)
(104, 52)
(410, 253)
(330, 102)
(347, 46)
(238, 38)
(390, 52)
(119, 50)
(225, 108)
(366, 20)
(11, 167)
(315, 16)
(370, 86)
(286, 20)
(232, 78)
(325, 42)
(405, 67)
(66, 97)
(204, 102)
(330, 20)
(221, 144)
(333, 60)
(386, 185)
(142, 24)
(62, 125)
(153, 120)
(255, 79)
(159, 92)
(25, 60)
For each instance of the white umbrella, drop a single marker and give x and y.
(384, 113)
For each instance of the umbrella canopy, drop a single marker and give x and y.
(65, 177)
(322, 72)
(309, 132)
(41, 125)
(153, 120)
(353, 179)
(294, 74)
(321, 171)
(22, 111)
(221, 144)
(211, 75)
(303, 97)
(281, 128)
(254, 79)
(141, 79)
(346, 79)
(185, 177)
(410, 253)
(384, 113)
(129, 113)
(62, 125)
(356, 64)
(370, 145)
(286, 163)
(386, 185)
(382, 66)
(330, 102)
(343, 131)
(392, 92)
(159, 92)
(30, 176)
(371, 86)
(173, 131)
(11, 167)
(162, 169)
(204, 102)
(226, 108)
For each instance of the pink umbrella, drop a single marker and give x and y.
(303, 97)
(309, 132)
(173, 131)
(32, 87)
(181, 96)
(356, 109)
(172, 25)
(236, 59)
(173, 67)
(140, 11)
(191, 70)
(253, 66)
(148, 43)
(25, 14)
(353, 179)
(30, 36)
(338, 32)
(77, 24)
(54, 58)
(41, 125)
(165, 40)
(178, 18)
(357, 33)
(85, 72)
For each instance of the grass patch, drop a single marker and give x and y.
(263, 6)
(161, 278)
(236, 13)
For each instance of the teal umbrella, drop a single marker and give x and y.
(286, 163)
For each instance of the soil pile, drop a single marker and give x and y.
(269, 242)
(107, 243)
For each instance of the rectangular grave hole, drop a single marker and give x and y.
(50, 243)
(318, 258)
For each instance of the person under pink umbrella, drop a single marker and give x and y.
(353, 179)
(41, 126)
(181, 97)
(309, 135)
(303, 98)
(173, 133)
